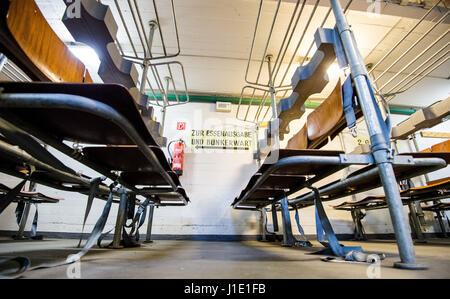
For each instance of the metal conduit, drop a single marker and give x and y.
(145, 39)
(429, 58)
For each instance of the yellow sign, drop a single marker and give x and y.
(220, 139)
(361, 140)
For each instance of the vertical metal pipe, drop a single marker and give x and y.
(274, 218)
(415, 222)
(287, 227)
(120, 219)
(147, 53)
(23, 221)
(379, 148)
(263, 225)
(257, 155)
(151, 209)
(165, 104)
(416, 147)
(144, 77)
(402, 232)
(359, 230)
(274, 131)
(441, 223)
(417, 206)
(26, 213)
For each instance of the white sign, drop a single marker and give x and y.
(229, 140)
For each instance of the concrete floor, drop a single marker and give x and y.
(223, 260)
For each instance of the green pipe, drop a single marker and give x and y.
(402, 110)
(255, 101)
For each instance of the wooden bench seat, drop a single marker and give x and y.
(28, 40)
(422, 119)
(325, 121)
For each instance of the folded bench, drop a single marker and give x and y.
(422, 119)
(39, 54)
(30, 196)
(28, 40)
(286, 175)
(24, 199)
(431, 192)
(13, 161)
(441, 206)
(94, 114)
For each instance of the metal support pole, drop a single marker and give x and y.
(165, 105)
(441, 223)
(23, 221)
(151, 209)
(418, 207)
(274, 131)
(25, 214)
(144, 76)
(379, 148)
(416, 147)
(402, 233)
(288, 238)
(120, 219)
(415, 223)
(257, 154)
(263, 225)
(147, 53)
(274, 217)
(163, 121)
(359, 229)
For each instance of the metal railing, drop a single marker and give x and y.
(11, 71)
(286, 59)
(396, 71)
(142, 51)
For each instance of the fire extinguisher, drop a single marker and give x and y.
(177, 157)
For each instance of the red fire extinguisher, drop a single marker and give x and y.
(177, 157)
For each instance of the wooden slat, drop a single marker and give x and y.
(435, 134)
(41, 44)
(324, 118)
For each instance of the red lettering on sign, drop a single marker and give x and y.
(181, 126)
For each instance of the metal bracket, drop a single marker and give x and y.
(352, 159)
(403, 160)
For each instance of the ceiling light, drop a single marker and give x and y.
(334, 70)
(87, 55)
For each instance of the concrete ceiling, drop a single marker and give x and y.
(215, 38)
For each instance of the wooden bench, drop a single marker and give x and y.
(324, 122)
(24, 200)
(301, 165)
(422, 119)
(433, 191)
(75, 118)
(307, 80)
(28, 40)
